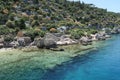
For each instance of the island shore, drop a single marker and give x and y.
(42, 58)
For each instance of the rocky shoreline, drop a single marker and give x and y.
(44, 58)
(53, 40)
(51, 50)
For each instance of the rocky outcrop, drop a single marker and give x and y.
(49, 41)
(66, 41)
(51, 36)
(85, 40)
(14, 44)
(100, 36)
(1, 45)
(23, 41)
(107, 30)
(1, 42)
(40, 43)
(27, 40)
(115, 30)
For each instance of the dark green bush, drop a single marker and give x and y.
(34, 33)
(76, 33)
(4, 30)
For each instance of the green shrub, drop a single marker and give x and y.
(20, 24)
(76, 33)
(4, 30)
(10, 24)
(8, 38)
(34, 33)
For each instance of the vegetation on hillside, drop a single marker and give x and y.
(36, 17)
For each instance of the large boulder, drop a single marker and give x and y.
(115, 30)
(21, 41)
(66, 41)
(100, 36)
(27, 40)
(50, 41)
(40, 43)
(107, 30)
(1, 42)
(85, 40)
(14, 44)
(51, 36)
(1, 45)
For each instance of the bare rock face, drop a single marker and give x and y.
(66, 41)
(51, 37)
(1, 45)
(85, 40)
(27, 40)
(49, 41)
(1, 42)
(40, 43)
(24, 41)
(115, 30)
(21, 42)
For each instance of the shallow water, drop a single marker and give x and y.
(100, 64)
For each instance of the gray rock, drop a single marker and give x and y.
(51, 37)
(21, 42)
(49, 41)
(14, 44)
(1, 40)
(24, 41)
(1, 45)
(85, 41)
(27, 40)
(40, 43)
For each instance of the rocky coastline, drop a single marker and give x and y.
(54, 40)
(48, 58)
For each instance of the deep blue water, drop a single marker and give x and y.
(100, 64)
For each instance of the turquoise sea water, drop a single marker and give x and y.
(100, 64)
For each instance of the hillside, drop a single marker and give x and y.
(36, 17)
